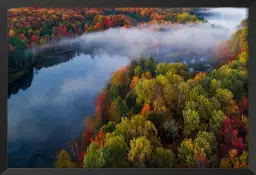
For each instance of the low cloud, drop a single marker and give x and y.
(87, 74)
(136, 41)
(227, 17)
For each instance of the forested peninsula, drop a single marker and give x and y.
(150, 114)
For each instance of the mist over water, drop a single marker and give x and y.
(44, 117)
(136, 41)
(171, 39)
(228, 18)
(51, 111)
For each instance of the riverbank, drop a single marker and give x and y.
(59, 97)
(17, 75)
(92, 20)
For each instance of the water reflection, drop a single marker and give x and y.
(48, 114)
(25, 81)
(44, 115)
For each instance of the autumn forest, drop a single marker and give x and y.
(150, 113)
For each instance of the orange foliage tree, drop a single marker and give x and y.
(145, 109)
(120, 77)
(148, 75)
(99, 138)
(199, 76)
(11, 33)
(134, 82)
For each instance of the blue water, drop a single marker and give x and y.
(52, 109)
(50, 112)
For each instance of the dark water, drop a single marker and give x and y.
(46, 107)
(50, 112)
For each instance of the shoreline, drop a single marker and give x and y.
(53, 54)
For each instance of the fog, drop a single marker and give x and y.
(226, 17)
(50, 113)
(170, 40)
(57, 89)
(134, 42)
(199, 39)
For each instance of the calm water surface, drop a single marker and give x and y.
(50, 112)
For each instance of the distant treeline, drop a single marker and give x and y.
(31, 28)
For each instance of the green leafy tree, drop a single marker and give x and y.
(195, 92)
(197, 152)
(171, 94)
(115, 151)
(138, 71)
(109, 128)
(186, 153)
(114, 91)
(215, 84)
(171, 129)
(64, 160)
(163, 158)
(204, 107)
(140, 152)
(157, 118)
(243, 58)
(205, 141)
(162, 80)
(133, 65)
(215, 121)
(150, 65)
(137, 126)
(215, 103)
(146, 91)
(94, 157)
(225, 97)
(115, 111)
(161, 68)
(186, 17)
(174, 78)
(191, 121)
(131, 99)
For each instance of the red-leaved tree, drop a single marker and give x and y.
(100, 107)
(231, 136)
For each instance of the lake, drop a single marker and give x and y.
(48, 106)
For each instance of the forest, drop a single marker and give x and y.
(150, 114)
(33, 28)
(157, 115)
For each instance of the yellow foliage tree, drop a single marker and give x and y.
(64, 160)
(199, 76)
(11, 33)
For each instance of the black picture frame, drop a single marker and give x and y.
(5, 5)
